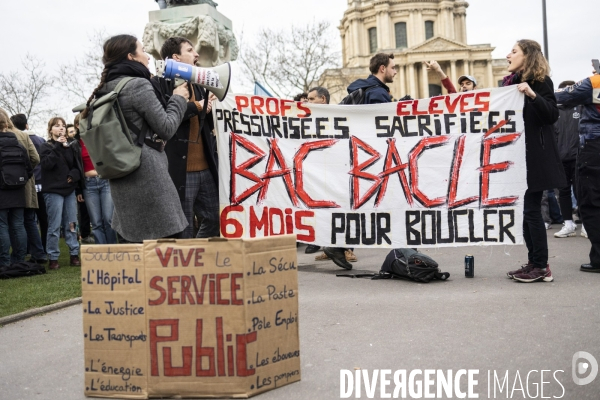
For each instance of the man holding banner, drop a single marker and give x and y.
(376, 91)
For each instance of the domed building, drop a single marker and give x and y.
(415, 31)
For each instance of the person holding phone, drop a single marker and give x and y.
(62, 174)
(585, 93)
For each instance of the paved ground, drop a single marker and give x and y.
(488, 323)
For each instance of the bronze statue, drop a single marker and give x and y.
(176, 3)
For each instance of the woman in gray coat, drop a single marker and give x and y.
(146, 202)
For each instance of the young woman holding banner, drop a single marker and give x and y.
(529, 71)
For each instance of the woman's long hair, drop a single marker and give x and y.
(9, 123)
(116, 50)
(536, 66)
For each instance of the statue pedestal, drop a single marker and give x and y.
(209, 31)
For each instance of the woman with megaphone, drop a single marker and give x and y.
(146, 202)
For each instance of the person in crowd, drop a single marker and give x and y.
(466, 82)
(376, 91)
(585, 93)
(146, 201)
(98, 200)
(567, 134)
(71, 131)
(318, 95)
(192, 151)
(62, 174)
(13, 200)
(551, 213)
(529, 71)
(302, 97)
(34, 241)
(20, 123)
(383, 71)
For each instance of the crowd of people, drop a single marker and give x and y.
(174, 192)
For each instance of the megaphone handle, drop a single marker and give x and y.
(203, 112)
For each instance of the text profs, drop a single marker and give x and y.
(270, 106)
(415, 384)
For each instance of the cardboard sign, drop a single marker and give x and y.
(444, 171)
(190, 318)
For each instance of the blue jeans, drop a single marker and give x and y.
(61, 209)
(100, 207)
(34, 241)
(12, 225)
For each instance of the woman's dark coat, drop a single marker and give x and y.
(544, 168)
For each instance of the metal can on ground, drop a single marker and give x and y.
(469, 266)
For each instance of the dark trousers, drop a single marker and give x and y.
(85, 229)
(34, 241)
(534, 231)
(588, 194)
(42, 217)
(564, 198)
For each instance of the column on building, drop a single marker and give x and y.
(412, 79)
(424, 83)
(410, 28)
(402, 79)
(383, 29)
(453, 76)
(419, 27)
(463, 27)
(467, 67)
(355, 38)
(489, 74)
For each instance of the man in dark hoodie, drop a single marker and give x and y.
(585, 93)
(567, 134)
(383, 70)
(376, 91)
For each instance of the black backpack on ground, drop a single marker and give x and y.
(15, 167)
(358, 96)
(19, 269)
(407, 264)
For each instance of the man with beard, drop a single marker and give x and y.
(192, 151)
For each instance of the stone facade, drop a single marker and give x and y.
(415, 31)
(209, 31)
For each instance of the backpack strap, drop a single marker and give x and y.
(442, 276)
(356, 275)
(140, 133)
(117, 90)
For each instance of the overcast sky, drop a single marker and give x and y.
(56, 31)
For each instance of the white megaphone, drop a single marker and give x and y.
(215, 80)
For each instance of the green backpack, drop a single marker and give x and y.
(106, 135)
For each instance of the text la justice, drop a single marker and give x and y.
(111, 309)
(221, 289)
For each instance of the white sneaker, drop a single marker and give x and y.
(568, 230)
(583, 232)
(548, 225)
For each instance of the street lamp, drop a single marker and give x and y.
(545, 31)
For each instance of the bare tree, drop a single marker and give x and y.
(78, 78)
(25, 91)
(286, 62)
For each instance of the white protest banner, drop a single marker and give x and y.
(444, 171)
